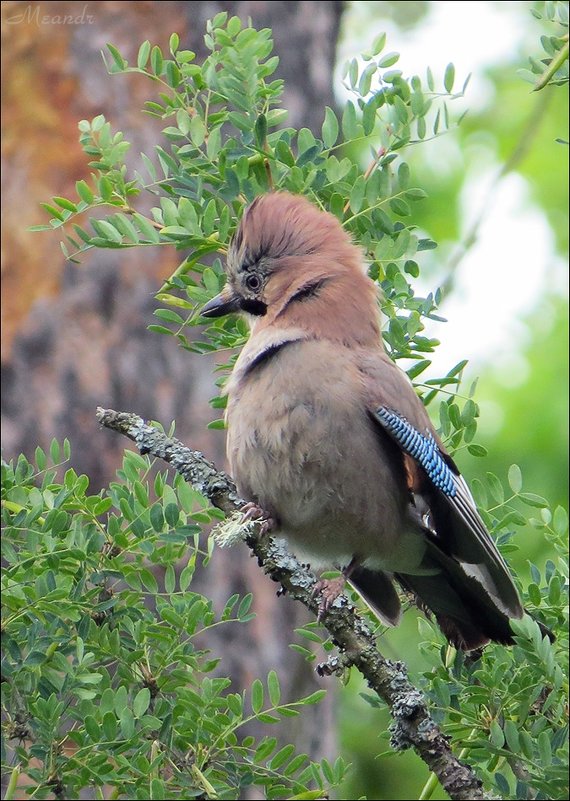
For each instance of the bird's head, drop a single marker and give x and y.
(293, 265)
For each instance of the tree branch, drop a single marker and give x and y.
(520, 151)
(552, 68)
(412, 726)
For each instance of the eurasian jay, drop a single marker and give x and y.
(327, 435)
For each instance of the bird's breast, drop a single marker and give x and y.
(301, 445)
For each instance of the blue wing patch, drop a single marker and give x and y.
(421, 447)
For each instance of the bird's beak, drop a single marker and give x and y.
(224, 303)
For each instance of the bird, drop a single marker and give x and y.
(331, 445)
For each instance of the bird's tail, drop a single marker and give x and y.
(466, 622)
(464, 604)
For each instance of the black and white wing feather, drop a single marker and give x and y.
(456, 524)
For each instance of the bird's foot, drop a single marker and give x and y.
(329, 590)
(252, 511)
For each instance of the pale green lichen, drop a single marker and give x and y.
(232, 530)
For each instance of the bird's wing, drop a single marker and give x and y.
(434, 479)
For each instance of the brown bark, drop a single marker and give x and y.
(75, 337)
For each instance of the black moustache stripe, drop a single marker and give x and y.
(255, 307)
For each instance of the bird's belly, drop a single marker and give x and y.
(316, 463)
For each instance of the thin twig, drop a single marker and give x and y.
(552, 68)
(518, 155)
(369, 170)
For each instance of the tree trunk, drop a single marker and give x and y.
(76, 337)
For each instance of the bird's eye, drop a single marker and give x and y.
(253, 282)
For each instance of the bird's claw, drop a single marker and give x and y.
(252, 511)
(329, 590)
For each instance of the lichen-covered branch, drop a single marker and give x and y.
(412, 725)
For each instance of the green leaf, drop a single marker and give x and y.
(526, 744)
(54, 451)
(544, 749)
(107, 703)
(257, 696)
(244, 606)
(388, 60)
(273, 687)
(109, 726)
(156, 60)
(469, 412)
(314, 698)
(148, 580)
(412, 268)
(378, 44)
(117, 57)
(160, 329)
(281, 757)
(366, 79)
(108, 231)
(65, 203)
(197, 130)
(502, 784)
(357, 194)
(265, 718)
(143, 54)
(92, 728)
(183, 121)
(174, 43)
(449, 77)
(214, 143)
(146, 227)
(534, 594)
(172, 514)
(400, 207)
(418, 368)
(284, 153)
(260, 131)
(353, 73)
(422, 129)
(169, 316)
(496, 734)
(187, 575)
(127, 723)
(142, 701)
(560, 520)
(125, 226)
(158, 788)
(234, 26)
(415, 194)
(533, 500)
(169, 579)
(264, 749)
(151, 169)
(217, 425)
(495, 488)
(308, 635)
(349, 122)
(515, 478)
(512, 736)
(40, 458)
(330, 128)
(84, 192)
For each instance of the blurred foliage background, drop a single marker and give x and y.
(503, 156)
